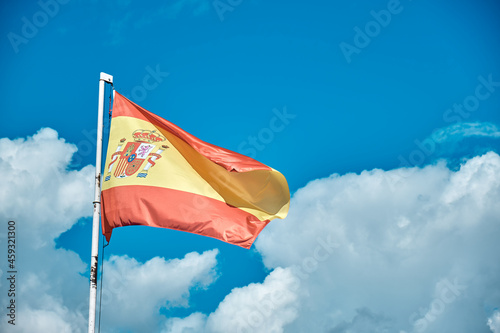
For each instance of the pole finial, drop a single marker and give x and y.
(106, 77)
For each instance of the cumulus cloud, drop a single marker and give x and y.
(45, 199)
(194, 323)
(265, 307)
(36, 185)
(135, 292)
(258, 307)
(382, 251)
(494, 322)
(382, 256)
(364, 321)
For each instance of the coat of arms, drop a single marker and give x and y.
(130, 160)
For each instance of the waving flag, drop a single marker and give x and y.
(156, 174)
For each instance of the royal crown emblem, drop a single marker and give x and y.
(130, 160)
(147, 136)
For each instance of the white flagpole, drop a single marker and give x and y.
(97, 203)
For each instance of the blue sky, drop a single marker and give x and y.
(355, 86)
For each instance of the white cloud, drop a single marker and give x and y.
(365, 321)
(51, 317)
(383, 251)
(494, 322)
(45, 200)
(36, 188)
(194, 323)
(265, 307)
(259, 307)
(135, 292)
(408, 256)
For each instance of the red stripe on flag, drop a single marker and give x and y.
(178, 210)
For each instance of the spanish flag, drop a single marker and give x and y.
(156, 174)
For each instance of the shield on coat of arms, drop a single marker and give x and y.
(134, 154)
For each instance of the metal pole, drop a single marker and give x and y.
(97, 203)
